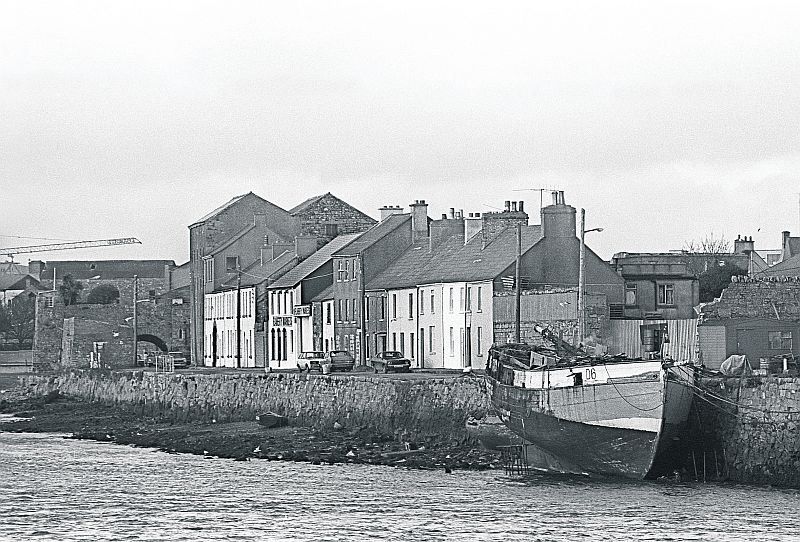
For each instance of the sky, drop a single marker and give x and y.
(667, 121)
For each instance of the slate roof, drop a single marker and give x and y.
(15, 281)
(786, 268)
(307, 203)
(324, 295)
(454, 261)
(293, 277)
(257, 273)
(218, 210)
(374, 234)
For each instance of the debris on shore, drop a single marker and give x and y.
(243, 440)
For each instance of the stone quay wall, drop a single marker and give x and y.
(751, 424)
(414, 409)
(754, 423)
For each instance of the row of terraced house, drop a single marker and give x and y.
(264, 284)
(436, 290)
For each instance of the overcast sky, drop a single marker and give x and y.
(666, 122)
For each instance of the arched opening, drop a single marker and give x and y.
(152, 339)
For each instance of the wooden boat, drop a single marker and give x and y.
(611, 416)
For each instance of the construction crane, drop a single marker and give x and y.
(12, 251)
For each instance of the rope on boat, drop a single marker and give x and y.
(660, 404)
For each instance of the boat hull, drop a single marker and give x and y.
(627, 425)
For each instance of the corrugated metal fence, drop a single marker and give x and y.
(625, 337)
(537, 307)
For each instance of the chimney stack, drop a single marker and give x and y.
(389, 210)
(419, 220)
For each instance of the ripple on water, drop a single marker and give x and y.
(56, 489)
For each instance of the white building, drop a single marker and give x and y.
(455, 323)
(290, 325)
(224, 314)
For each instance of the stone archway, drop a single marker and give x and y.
(152, 339)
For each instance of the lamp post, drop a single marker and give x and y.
(582, 277)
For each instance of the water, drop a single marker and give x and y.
(53, 488)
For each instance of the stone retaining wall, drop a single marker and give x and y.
(757, 441)
(412, 409)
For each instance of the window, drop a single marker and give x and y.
(394, 306)
(383, 307)
(402, 343)
(410, 306)
(49, 301)
(367, 301)
(347, 270)
(208, 269)
(666, 294)
(340, 312)
(780, 340)
(355, 310)
(231, 263)
(331, 230)
(394, 341)
(431, 339)
(452, 343)
(630, 294)
(433, 303)
(411, 345)
(469, 298)
(422, 302)
(340, 271)
(480, 339)
(451, 300)
(291, 340)
(479, 301)
(327, 313)
(461, 299)
(346, 310)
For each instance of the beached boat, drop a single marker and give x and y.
(607, 415)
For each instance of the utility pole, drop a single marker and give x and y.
(135, 320)
(582, 280)
(362, 335)
(518, 292)
(238, 315)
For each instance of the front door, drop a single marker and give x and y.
(214, 346)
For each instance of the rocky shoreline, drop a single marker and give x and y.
(243, 440)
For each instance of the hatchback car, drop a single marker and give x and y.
(391, 361)
(308, 361)
(179, 360)
(339, 360)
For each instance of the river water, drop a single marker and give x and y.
(52, 488)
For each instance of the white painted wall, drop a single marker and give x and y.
(328, 321)
(402, 330)
(221, 311)
(452, 319)
(283, 328)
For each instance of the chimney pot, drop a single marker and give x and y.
(507, 206)
(521, 207)
(444, 216)
(514, 206)
(452, 212)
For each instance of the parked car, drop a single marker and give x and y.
(179, 360)
(308, 361)
(338, 360)
(391, 361)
